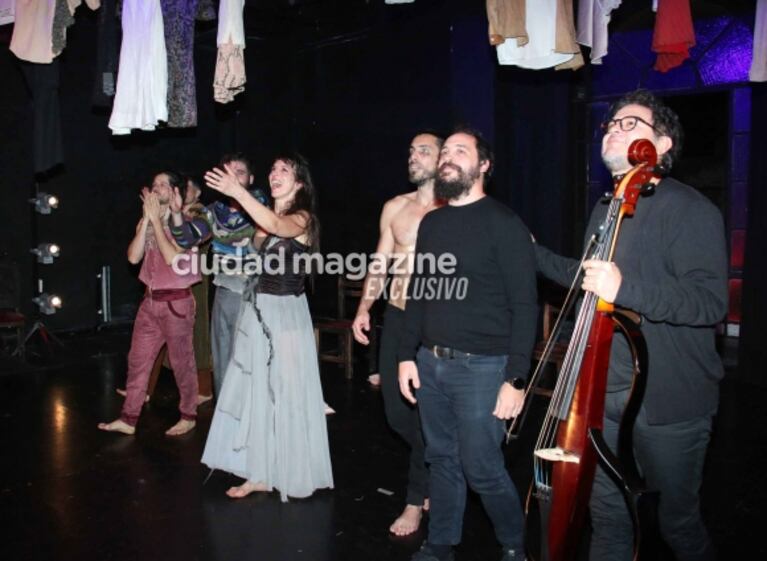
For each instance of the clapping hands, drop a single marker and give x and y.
(152, 207)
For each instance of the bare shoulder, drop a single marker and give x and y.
(399, 202)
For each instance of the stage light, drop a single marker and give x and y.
(46, 252)
(47, 303)
(44, 202)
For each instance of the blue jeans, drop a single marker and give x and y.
(463, 444)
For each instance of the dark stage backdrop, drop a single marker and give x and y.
(98, 184)
(536, 122)
(350, 103)
(753, 351)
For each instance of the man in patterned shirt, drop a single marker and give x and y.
(231, 233)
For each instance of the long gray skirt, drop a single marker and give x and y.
(269, 424)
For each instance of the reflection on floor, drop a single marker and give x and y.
(70, 491)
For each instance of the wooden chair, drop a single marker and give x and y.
(11, 319)
(557, 355)
(341, 327)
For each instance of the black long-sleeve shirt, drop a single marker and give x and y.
(498, 313)
(673, 261)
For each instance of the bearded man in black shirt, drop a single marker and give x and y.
(466, 346)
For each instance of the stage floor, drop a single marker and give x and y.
(72, 492)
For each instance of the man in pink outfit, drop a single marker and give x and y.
(166, 314)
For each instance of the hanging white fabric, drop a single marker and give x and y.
(593, 18)
(142, 82)
(231, 27)
(758, 72)
(538, 52)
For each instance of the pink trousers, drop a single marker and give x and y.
(159, 323)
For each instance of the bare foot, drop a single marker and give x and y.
(203, 399)
(408, 521)
(329, 410)
(246, 489)
(374, 380)
(117, 425)
(122, 392)
(182, 427)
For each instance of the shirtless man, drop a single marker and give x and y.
(399, 227)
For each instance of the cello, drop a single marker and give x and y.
(570, 442)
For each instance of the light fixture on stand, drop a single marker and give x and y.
(47, 303)
(46, 252)
(44, 202)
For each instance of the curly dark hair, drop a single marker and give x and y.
(665, 121)
(484, 150)
(305, 199)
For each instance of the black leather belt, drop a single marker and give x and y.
(447, 352)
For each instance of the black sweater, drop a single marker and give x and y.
(673, 261)
(498, 313)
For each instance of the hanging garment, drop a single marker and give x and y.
(142, 83)
(43, 83)
(107, 54)
(593, 18)
(64, 17)
(31, 40)
(545, 21)
(758, 72)
(506, 19)
(6, 11)
(229, 78)
(673, 35)
(565, 36)
(178, 18)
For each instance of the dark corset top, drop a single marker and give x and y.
(290, 281)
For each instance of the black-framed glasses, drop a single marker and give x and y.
(626, 124)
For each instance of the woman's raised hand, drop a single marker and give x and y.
(224, 181)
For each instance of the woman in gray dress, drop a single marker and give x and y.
(269, 425)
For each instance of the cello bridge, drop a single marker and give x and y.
(557, 455)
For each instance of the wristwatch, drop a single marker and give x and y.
(517, 383)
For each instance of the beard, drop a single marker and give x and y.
(615, 163)
(418, 175)
(460, 185)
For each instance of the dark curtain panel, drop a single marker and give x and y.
(43, 83)
(535, 151)
(753, 348)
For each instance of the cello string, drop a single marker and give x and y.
(590, 305)
(568, 374)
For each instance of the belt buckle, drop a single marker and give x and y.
(442, 352)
